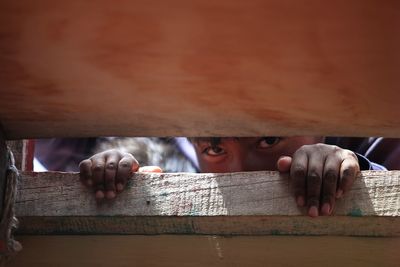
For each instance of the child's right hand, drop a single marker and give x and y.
(108, 172)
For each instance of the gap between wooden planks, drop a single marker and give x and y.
(252, 203)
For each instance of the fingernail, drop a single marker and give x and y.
(120, 187)
(300, 201)
(313, 211)
(339, 193)
(110, 194)
(326, 209)
(150, 169)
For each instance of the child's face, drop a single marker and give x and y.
(247, 153)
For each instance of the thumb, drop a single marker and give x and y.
(150, 169)
(283, 164)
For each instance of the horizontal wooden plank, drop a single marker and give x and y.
(63, 251)
(4, 164)
(199, 68)
(253, 203)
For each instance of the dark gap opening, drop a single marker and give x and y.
(211, 154)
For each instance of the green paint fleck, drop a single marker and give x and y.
(355, 212)
(194, 212)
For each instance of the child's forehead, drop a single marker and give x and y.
(213, 139)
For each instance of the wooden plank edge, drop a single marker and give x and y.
(213, 225)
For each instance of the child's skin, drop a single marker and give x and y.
(319, 173)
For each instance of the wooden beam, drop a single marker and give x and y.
(254, 203)
(17, 149)
(4, 164)
(173, 250)
(23, 152)
(199, 68)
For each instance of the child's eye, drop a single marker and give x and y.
(214, 151)
(267, 142)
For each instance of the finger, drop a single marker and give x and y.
(110, 172)
(329, 183)
(126, 166)
(298, 172)
(98, 164)
(348, 173)
(283, 164)
(150, 169)
(85, 172)
(314, 183)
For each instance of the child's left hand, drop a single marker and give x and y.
(320, 173)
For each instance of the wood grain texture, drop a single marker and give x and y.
(124, 251)
(199, 68)
(253, 203)
(17, 148)
(4, 162)
(23, 152)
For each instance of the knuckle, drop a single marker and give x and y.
(98, 167)
(314, 178)
(302, 149)
(349, 172)
(320, 145)
(123, 164)
(299, 170)
(112, 152)
(325, 149)
(111, 166)
(351, 154)
(129, 155)
(334, 148)
(330, 177)
(347, 154)
(84, 163)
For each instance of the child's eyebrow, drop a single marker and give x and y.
(213, 141)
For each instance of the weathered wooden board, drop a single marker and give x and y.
(23, 152)
(124, 251)
(252, 203)
(199, 68)
(17, 149)
(4, 164)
